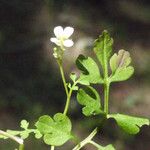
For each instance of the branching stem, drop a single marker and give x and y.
(95, 144)
(86, 140)
(68, 101)
(12, 137)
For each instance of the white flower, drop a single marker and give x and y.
(62, 36)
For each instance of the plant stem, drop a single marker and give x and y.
(21, 147)
(95, 144)
(63, 77)
(52, 147)
(106, 97)
(68, 101)
(14, 138)
(86, 140)
(68, 93)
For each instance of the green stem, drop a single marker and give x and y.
(21, 147)
(52, 147)
(96, 145)
(63, 77)
(68, 102)
(68, 93)
(86, 140)
(12, 137)
(106, 97)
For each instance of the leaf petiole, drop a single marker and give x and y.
(95, 144)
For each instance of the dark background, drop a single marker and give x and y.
(30, 83)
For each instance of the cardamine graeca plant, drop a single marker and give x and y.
(112, 67)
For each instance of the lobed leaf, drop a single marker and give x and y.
(24, 124)
(103, 48)
(119, 64)
(56, 131)
(90, 71)
(129, 124)
(37, 133)
(89, 98)
(24, 134)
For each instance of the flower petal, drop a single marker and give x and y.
(55, 40)
(68, 43)
(68, 31)
(58, 31)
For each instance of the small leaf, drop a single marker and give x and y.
(12, 132)
(90, 71)
(89, 98)
(83, 82)
(69, 85)
(73, 77)
(129, 124)
(3, 137)
(75, 88)
(56, 131)
(119, 65)
(24, 134)
(103, 48)
(24, 124)
(37, 133)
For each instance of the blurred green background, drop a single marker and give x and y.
(30, 83)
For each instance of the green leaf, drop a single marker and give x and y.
(90, 71)
(108, 147)
(12, 132)
(37, 133)
(75, 88)
(103, 48)
(119, 64)
(56, 131)
(129, 124)
(73, 77)
(89, 98)
(83, 82)
(24, 134)
(9, 132)
(24, 124)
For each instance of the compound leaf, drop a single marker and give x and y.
(119, 64)
(90, 99)
(56, 131)
(23, 134)
(129, 124)
(103, 48)
(90, 71)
